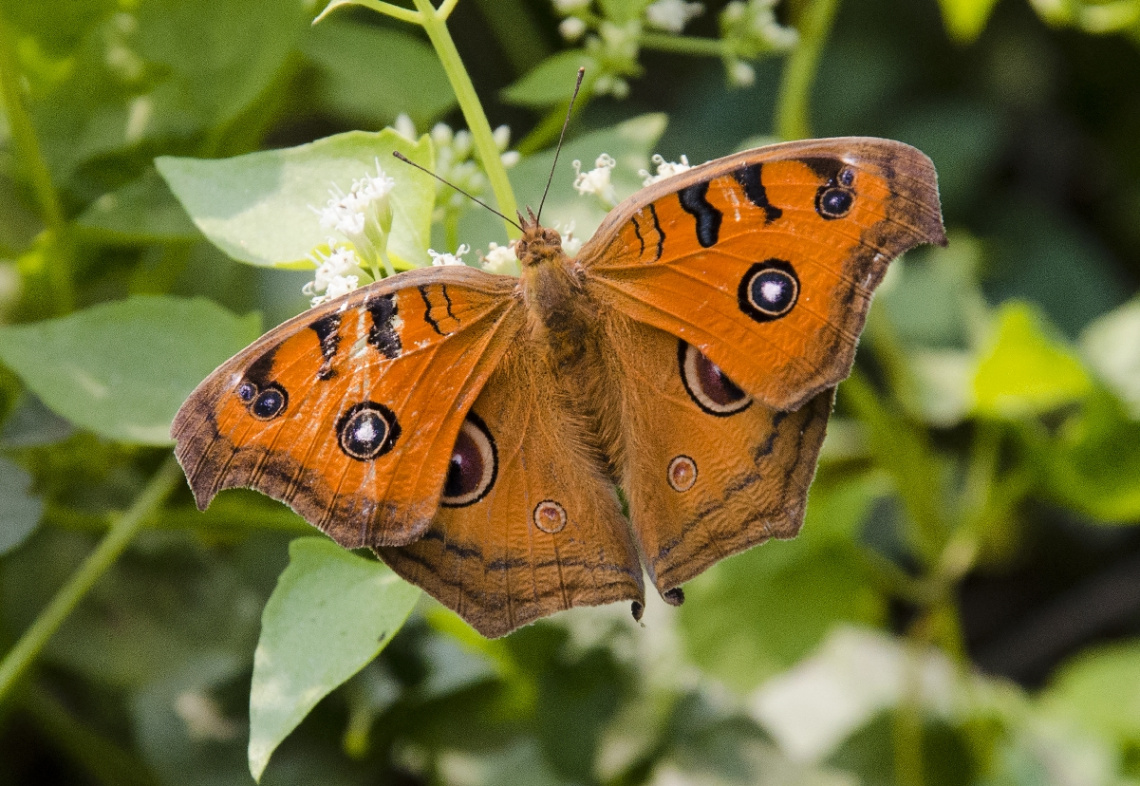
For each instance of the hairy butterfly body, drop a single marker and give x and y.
(472, 428)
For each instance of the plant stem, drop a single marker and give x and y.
(31, 155)
(380, 7)
(793, 119)
(20, 657)
(907, 725)
(684, 45)
(434, 24)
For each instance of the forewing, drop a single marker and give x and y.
(348, 412)
(766, 260)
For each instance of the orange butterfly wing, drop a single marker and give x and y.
(348, 413)
(708, 471)
(766, 260)
(530, 524)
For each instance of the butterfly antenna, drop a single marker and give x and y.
(475, 199)
(557, 150)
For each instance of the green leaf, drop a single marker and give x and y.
(965, 19)
(123, 369)
(1100, 689)
(331, 613)
(371, 74)
(260, 208)
(551, 81)
(776, 602)
(1025, 371)
(1094, 465)
(143, 211)
(1111, 346)
(19, 509)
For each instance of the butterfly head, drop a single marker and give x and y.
(538, 243)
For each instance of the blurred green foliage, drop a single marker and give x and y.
(963, 605)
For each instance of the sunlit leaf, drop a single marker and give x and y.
(331, 613)
(1100, 688)
(1024, 371)
(123, 369)
(261, 207)
(965, 19)
(1111, 345)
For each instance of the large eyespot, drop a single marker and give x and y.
(474, 465)
(549, 516)
(367, 430)
(707, 385)
(832, 202)
(769, 290)
(269, 403)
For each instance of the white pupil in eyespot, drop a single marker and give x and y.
(772, 290)
(366, 431)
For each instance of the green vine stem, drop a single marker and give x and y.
(683, 45)
(434, 23)
(28, 147)
(20, 657)
(793, 120)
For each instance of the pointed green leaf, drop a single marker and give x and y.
(123, 369)
(1025, 371)
(261, 208)
(331, 613)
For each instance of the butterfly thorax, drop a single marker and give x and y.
(562, 314)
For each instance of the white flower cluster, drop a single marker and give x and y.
(750, 29)
(338, 273)
(664, 169)
(439, 260)
(597, 180)
(455, 163)
(363, 216)
(672, 15)
(501, 260)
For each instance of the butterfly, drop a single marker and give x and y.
(473, 428)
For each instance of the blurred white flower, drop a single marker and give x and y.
(664, 169)
(671, 15)
(741, 74)
(572, 28)
(570, 244)
(569, 6)
(405, 127)
(597, 180)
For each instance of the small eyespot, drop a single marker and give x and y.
(833, 203)
(674, 597)
(269, 403)
(682, 473)
(473, 467)
(246, 391)
(707, 385)
(367, 431)
(549, 516)
(846, 177)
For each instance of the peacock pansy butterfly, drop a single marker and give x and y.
(472, 428)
